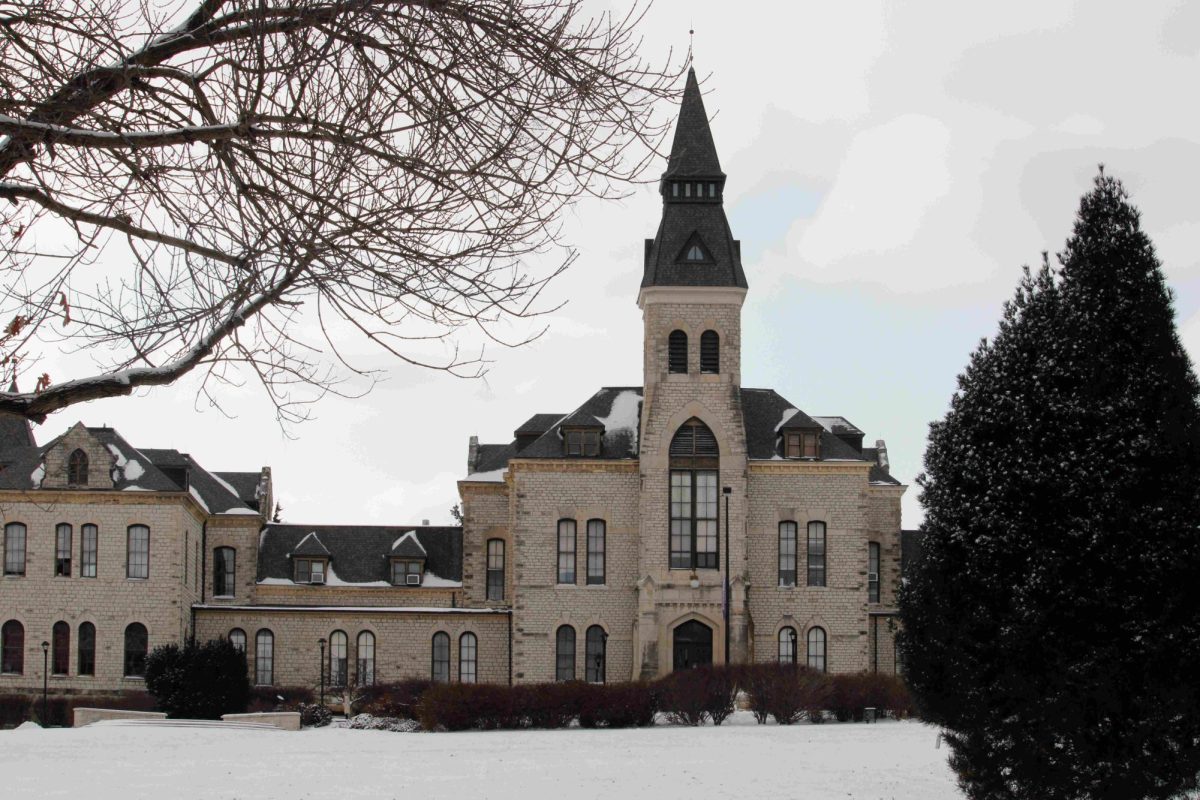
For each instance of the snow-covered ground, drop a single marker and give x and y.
(885, 761)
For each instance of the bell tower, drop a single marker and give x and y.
(691, 298)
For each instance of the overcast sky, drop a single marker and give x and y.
(891, 166)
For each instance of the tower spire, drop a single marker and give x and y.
(693, 153)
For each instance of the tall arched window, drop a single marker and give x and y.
(339, 646)
(564, 654)
(872, 572)
(787, 645)
(787, 553)
(596, 533)
(566, 551)
(264, 658)
(77, 468)
(63, 535)
(816, 554)
(137, 552)
(677, 352)
(710, 352)
(441, 657)
(468, 648)
(495, 569)
(816, 649)
(694, 461)
(137, 643)
(224, 567)
(12, 648)
(237, 638)
(365, 650)
(14, 548)
(595, 654)
(60, 648)
(87, 648)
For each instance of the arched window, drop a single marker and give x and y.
(816, 554)
(14, 548)
(60, 648)
(787, 553)
(468, 648)
(694, 461)
(872, 572)
(365, 649)
(137, 552)
(564, 654)
(495, 569)
(77, 468)
(237, 638)
(12, 648)
(710, 352)
(87, 648)
(816, 649)
(677, 352)
(595, 655)
(595, 551)
(89, 546)
(224, 566)
(136, 644)
(339, 646)
(264, 658)
(441, 657)
(62, 549)
(566, 551)
(787, 645)
(694, 253)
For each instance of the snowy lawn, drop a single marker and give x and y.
(888, 760)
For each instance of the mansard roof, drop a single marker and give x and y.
(618, 410)
(360, 555)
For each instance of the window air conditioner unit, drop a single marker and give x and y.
(317, 579)
(412, 580)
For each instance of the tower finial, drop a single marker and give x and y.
(691, 43)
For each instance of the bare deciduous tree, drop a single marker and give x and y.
(188, 184)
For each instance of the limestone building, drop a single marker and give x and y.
(685, 521)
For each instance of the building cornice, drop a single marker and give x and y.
(798, 467)
(691, 294)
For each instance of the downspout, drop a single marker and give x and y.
(510, 648)
(728, 588)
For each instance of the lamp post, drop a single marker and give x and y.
(45, 679)
(727, 491)
(602, 658)
(322, 641)
(795, 652)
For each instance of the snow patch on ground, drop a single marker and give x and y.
(897, 760)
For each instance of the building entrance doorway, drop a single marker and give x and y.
(693, 645)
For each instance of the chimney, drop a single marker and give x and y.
(425, 523)
(881, 453)
(472, 454)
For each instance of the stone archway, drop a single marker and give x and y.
(692, 645)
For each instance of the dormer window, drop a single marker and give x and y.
(687, 190)
(674, 190)
(712, 190)
(77, 469)
(310, 570)
(407, 572)
(694, 253)
(802, 444)
(581, 441)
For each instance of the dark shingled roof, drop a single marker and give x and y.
(15, 431)
(310, 545)
(618, 441)
(245, 484)
(359, 553)
(537, 424)
(691, 220)
(910, 549)
(216, 495)
(765, 413)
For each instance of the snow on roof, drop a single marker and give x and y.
(492, 476)
(199, 500)
(830, 422)
(131, 468)
(332, 579)
(409, 535)
(788, 413)
(623, 415)
(437, 582)
(239, 510)
(225, 485)
(38, 474)
(316, 540)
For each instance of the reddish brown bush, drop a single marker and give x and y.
(691, 696)
(550, 705)
(468, 706)
(854, 693)
(786, 692)
(397, 700)
(618, 705)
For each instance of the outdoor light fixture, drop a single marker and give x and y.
(694, 581)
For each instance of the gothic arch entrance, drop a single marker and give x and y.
(692, 645)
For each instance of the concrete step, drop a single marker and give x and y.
(190, 723)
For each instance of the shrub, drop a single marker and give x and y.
(14, 709)
(279, 698)
(550, 705)
(314, 715)
(618, 705)
(691, 696)
(367, 722)
(198, 681)
(786, 692)
(397, 700)
(466, 706)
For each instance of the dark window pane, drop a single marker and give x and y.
(595, 551)
(87, 648)
(60, 648)
(816, 649)
(495, 569)
(677, 352)
(787, 554)
(62, 550)
(77, 468)
(264, 658)
(710, 352)
(224, 564)
(137, 552)
(88, 550)
(816, 554)
(566, 550)
(12, 648)
(14, 549)
(136, 644)
(564, 654)
(441, 657)
(339, 647)
(366, 658)
(787, 646)
(467, 653)
(873, 572)
(595, 655)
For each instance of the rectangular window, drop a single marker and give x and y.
(810, 447)
(595, 551)
(793, 446)
(224, 571)
(14, 548)
(264, 658)
(872, 572)
(183, 576)
(694, 536)
(137, 552)
(310, 570)
(62, 550)
(712, 190)
(787, 554)
(682, 541)
(816, 554)
(89, 546)
(566, 551)
(584, 442)
(406, 573)
(687, 190)
(495, 569)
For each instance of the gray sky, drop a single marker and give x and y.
(891, 166)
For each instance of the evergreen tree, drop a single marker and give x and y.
(1052, 625)
(198, 681)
